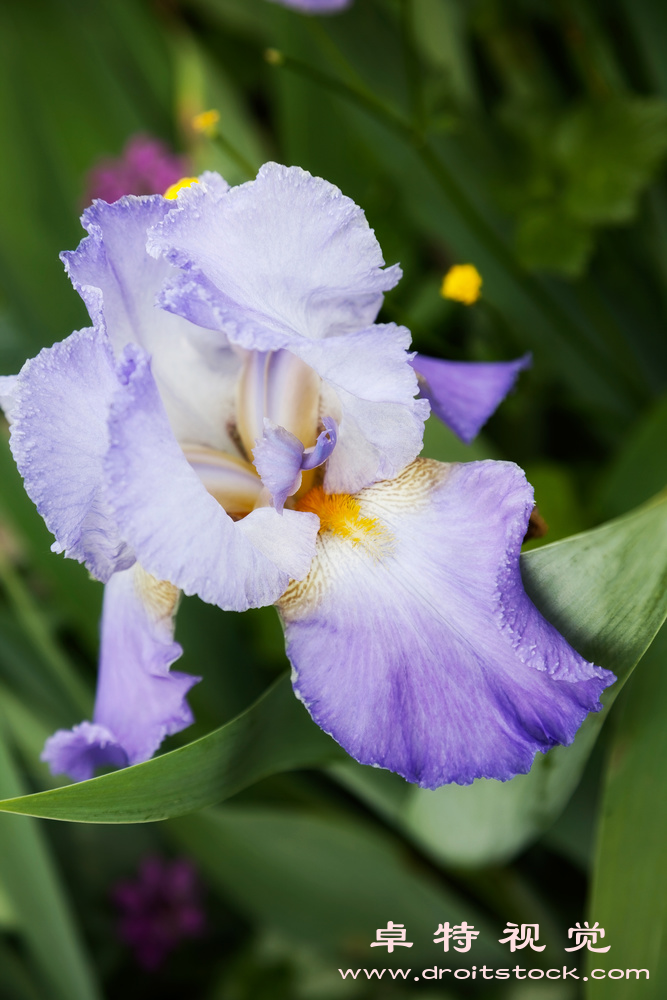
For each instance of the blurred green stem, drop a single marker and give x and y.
(477, 224)
(412, 68)
(237, 156)
(32, 622)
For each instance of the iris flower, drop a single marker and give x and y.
(236, 425)
(316, 6)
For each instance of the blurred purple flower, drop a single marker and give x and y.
(316, 6)
(146, 166)
(159, 909)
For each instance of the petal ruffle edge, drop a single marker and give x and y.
(397, 637)
(139, 699)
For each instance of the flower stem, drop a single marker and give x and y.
(412, 67)
(30, 618)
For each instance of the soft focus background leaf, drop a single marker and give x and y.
(35, 902)
(275, 864)
(630, 875)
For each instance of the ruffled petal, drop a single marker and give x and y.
(369, 388)
(279, 258)
(400, 637)
(178, 531)
(79, 751)
(139, 700)
(59, 436)
(195, 370)
(464, 394)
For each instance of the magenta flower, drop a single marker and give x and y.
(159, 909)
(146, 166)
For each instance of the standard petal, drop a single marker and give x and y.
(464, 394)
(139, 700)
(399, 636)
(280, 387)
(279, 258)
(369, 388)
(179, 531)
(59, 436)
(195, 370)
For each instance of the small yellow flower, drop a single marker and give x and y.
(462, 283)
(206, 122)
(173, 189)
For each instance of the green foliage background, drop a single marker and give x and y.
(529, 138)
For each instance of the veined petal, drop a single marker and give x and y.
(282, 257)
(139, 700)
(178, 530)
(195, 369)
(232, 481)
(369, 388)
(464, 394)
(279, 387)
(400, 640)
(59, 407)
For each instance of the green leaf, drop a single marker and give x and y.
(72, 592)
(275, 863)
(547, 239)
(37, 903)
(275, 734)
(648, 21)
(639, 469)
(63, 105)
(203, 84)
(629, 897)
(15, 980)
(609, 152)
(605, 590)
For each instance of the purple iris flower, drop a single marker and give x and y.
(236, 425)
(316, 6)
(145, 166)
(159, 909)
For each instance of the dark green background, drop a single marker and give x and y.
(528, 137)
